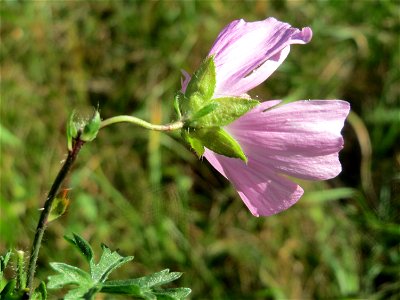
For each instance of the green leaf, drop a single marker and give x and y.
(175, 293)
(91, 128)
(143, 287)
(40, 292)
(86, 285)
(193, 142)
(225, 111)
(68, 275)
(109, 261)
(219, 141)
(81, 245)
(8, 289)
(3, 262)
(203, 80)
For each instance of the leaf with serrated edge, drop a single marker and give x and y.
(108, 262)
(69, 275)
(174, 293)
(148, 281)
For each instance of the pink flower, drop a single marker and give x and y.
(300, 139)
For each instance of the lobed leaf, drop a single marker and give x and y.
(68, 275)
(108, 262)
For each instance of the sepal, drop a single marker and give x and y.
(224, 111)
(217, 140)
(73, 128)
(201, 87)
(91, 128)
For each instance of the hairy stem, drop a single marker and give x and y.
(142, 123)
(42, 224)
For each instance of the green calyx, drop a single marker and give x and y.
(204, 116)
(85, 130)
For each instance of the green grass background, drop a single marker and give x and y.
(148, 195)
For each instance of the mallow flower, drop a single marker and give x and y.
(259, 146)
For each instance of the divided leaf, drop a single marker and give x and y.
(109, 261)
(86, 285)
(143, 286)
(68, 275)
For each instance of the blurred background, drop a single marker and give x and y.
(146, 194)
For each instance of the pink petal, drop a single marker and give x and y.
(247, 53)
(263, 192)
(300, 139)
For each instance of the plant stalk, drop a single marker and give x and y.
(142, 123)
(42, 224)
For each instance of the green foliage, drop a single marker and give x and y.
(15, 289)
(87, 285)
(4, 262)
(149, 195)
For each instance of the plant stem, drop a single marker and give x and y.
(142, 123)
(42, 224)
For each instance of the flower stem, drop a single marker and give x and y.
(142, 123)
(42, 224)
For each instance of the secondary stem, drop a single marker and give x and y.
(42, 224)
(142, 123)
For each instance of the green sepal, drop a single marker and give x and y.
(201, 87)
(91, 128)
(72, 130)
(225, 111)
(203, 80)
(194, 143)
(219, 141)
(200, 114)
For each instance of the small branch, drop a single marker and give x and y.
(42, 224)
(142, 123)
